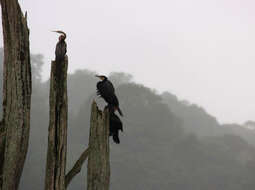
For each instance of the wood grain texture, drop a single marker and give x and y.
(16, 94)
(57, 137)
(98, 173)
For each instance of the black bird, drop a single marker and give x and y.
(115, 126)
(60, 50)
(106, 90)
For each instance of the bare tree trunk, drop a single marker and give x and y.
(57, 139)
(77, 167)
(98, 174)
(16, 94)
(2, 144)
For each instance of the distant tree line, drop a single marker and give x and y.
(166, 143)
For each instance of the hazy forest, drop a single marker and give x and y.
(167, 143)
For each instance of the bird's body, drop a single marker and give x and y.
(106, 90)
(60, 51)
(61, 46)
(115, 126)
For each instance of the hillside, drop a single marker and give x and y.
(166, 143)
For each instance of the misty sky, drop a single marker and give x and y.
(200, 50)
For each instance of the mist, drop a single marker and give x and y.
(202, 51)
(182, 71)
(166, 142)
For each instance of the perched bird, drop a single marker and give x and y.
(60, 50)
(106, 90)
(115, 126)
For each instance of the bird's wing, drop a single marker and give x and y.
(63, 48)
(110, 87)
(99, 85)
(60, 50)
(115, 122)
(106, 90)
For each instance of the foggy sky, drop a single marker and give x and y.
(200, 50)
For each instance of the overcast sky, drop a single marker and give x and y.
(200, 50)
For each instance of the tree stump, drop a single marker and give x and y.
(98, 173)
(16, 95)
(57, 139)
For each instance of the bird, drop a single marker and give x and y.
(115, 126)
(106, 90)
(60, 50)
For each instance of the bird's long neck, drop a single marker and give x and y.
(64, 37)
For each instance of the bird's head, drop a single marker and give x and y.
(102, 77)
(62, 36)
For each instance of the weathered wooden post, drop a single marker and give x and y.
(98, 173)
(57, 139)
(17, 89)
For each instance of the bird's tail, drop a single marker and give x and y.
(120, 112)
(115, 138)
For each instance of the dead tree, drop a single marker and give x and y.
(14, 129)
(77, 167)
(98, 151)
(98, 173)
(57, 139)
(2, 144)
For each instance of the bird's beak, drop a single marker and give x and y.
(100, 77)
(59, 31)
